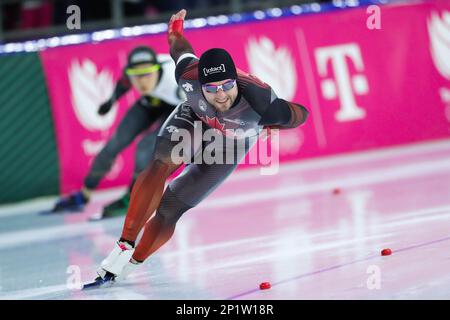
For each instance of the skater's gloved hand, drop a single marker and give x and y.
(105, 107)
(175, 28)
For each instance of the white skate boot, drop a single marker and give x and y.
(117, 259)
(111, 267)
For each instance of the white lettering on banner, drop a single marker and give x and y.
(273, 65)
(439, 32)
(91, 148)
(90, 88)
(344, 86)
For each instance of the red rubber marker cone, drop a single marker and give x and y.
(386, 252)
(265, 285)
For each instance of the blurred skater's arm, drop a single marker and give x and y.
(122, 86)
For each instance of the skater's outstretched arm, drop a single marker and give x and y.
(274, 112)
(284, 114)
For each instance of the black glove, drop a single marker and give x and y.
(105, 107)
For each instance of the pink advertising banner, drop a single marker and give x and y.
(367, 85)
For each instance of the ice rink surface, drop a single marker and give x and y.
(314, 231)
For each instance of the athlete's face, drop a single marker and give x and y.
(222, 100)
(144, 83)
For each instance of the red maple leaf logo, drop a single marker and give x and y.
(217, 125)
(214, 123)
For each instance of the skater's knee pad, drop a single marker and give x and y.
(171, 208)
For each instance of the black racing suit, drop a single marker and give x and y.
(255, 107)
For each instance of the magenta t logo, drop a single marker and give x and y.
(343, 86)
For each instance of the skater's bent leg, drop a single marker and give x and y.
(134, 122)
(161, 227)
(148, 189)
(144, 153)
(103, 162)
(185, 192)
(145, 149)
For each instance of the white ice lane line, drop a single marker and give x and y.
(265, 240)
(418, 216)
(34, 292)
(284, 255)
(326, 269)
(271, 242)
(19, 238)
(46, 203)
(55, 292)
(356, 179)
(371, 156)
(307, 164)
(35, 205)
(13, 239)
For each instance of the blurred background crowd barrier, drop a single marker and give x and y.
(25, 19)
(368, 85)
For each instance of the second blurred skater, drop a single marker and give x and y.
(152, 76)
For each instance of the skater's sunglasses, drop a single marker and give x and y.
(142, 71)
(212, 88)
